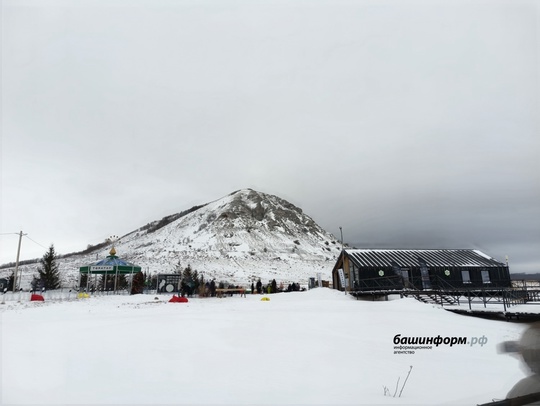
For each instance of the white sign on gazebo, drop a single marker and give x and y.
(101, 268)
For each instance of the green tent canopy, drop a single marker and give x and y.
(112, 265)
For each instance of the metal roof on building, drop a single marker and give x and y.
(432, 257)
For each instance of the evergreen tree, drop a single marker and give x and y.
(195, 279)
(11, 280)
(187, 281)
(49, 275)
(106, 283)
(122, 282)
(137, 285)
(36, 283)
(146, 280)
(84, 279)
(151, 281)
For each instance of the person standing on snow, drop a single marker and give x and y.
(528, 347)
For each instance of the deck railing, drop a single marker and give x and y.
(445, 293)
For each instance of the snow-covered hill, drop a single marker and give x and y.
(238, 238)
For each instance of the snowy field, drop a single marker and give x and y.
(319, 347)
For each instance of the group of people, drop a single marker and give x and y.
(272, 287)
(208, 289)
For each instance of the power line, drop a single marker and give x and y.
(26, 235)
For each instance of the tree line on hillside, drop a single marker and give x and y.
(48, 278)
(190, 281)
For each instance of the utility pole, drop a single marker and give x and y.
(17, 263)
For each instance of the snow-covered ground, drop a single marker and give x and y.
(314, 347)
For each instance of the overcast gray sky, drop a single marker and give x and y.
(411, 124)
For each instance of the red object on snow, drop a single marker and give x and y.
(36, 298)
(178, 299)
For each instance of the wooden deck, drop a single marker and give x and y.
(488, 303)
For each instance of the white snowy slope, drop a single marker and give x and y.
(241, 237)
(319, 347)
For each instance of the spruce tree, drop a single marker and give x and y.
(11, 281)
(195, 279)
(151, 281)
(35, 284)
(84, 280)
(187, 281)
(137, 284)
(49, 275)
(106, 283)
(121, 282)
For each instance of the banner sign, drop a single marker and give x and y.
(169, 282)
(341, 277)
(101, 268)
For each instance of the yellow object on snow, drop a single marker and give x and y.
(83, 295)
(265, 299)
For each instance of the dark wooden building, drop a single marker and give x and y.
(397, 269)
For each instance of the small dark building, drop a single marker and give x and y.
(396, 269)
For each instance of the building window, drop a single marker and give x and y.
(466, 276)
(485, 277)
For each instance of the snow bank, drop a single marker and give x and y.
(315, 347)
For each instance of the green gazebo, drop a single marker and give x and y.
(112, 265)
